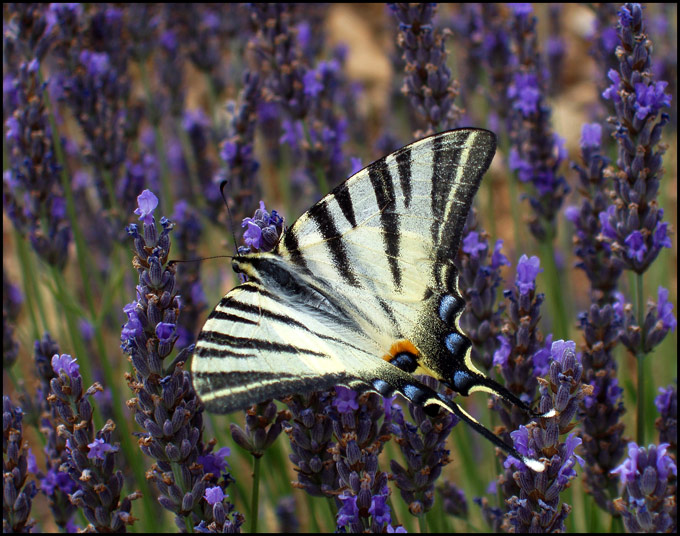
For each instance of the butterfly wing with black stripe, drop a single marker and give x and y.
(367, 271)
(386, 240)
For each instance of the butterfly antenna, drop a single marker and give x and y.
(440, 400)
(223, 184)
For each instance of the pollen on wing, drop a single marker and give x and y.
(399, 347)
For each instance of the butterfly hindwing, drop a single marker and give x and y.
(260, 343)
(365, 273)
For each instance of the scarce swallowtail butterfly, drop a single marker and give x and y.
(360, 291)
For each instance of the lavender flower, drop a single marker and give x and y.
(263, 229)
(537, 152)
(311, 436)
(32, 193)
(287, 518)
(55, 484)
(328, 93)
(237, 148)
(537, 507)
(667, 424)
(479, 277)
(169, 66)
(166, 406)
(199, 133)
(17, 492)
(603, 44)
(275, 42)
(428, 83)
(601, 411)
(216, 498)
(11, 305)
(263, 426)
(658, 321)
(98, 94)
(89, 454)
(648, 503)
(310, 96)
(595, 255)
(522, 355)
(498, 58)
(454, 501)
(360, 438)
(633, 224)
(424, 447)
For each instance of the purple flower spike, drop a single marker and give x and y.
(536, 152)
(635, 232)
(479, 278)
(645, 474)
(428, 85)
(99, 483)
(536, 504)
(667, 424)
(18, 491)
(165, 406)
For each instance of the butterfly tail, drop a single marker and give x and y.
(440, 400)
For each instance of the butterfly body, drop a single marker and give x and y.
(361, 290)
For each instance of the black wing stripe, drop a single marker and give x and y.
(226, 341)
(333, 240)
(381, 180)
(207, 351)
(290, 241)
(344, 199)
(230, 317)
(277, 317)
(404, 169)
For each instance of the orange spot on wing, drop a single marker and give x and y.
(400, 346)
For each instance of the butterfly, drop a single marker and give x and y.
(360, 291)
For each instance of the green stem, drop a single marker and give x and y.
(422, 523)
(640, 357)
(554, 288)
(254, 504)
(333, 510)
(34, 304)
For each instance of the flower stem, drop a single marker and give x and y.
(255, 497)
(554, 288)
(422, 523)
(640, 364)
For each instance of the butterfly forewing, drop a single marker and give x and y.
(385, 240)
(367, 266)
